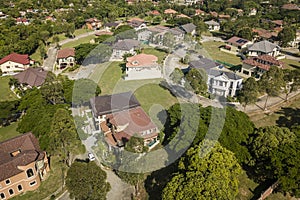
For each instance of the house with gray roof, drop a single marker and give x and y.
(122, 47)
(223, 83)
(262, 48)
(178, 33)
(212, 25)
(189, 28)
(203, 63)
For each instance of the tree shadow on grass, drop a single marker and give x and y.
(289, 117)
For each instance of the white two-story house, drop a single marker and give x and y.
(223, 83)
(14, 63)
(263, 47)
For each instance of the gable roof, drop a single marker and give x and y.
(176, 31)
(111, 24)
(170, 11)
(226, 75)
(32, 76)
(263, 62)
(203, 63)
(65, 53)
(107, 104)
(212, 23)
(27, 150)
(263, 46)
(132, 121)
(290, 6)
(142, 60)
(237, 41)
(17, 58)
(135, 23)
(126, 44)
(188, 28)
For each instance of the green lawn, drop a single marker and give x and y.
(213, 51)
(5, 93)
(160, 54)
(8, 132)
(291, 64)
(52, 183)
(79, 41)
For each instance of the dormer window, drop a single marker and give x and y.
(15, 153)
(135, 62)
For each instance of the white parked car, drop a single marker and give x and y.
(91, 156)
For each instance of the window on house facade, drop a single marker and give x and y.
(2, 196)
(29, 173)
(11, 192)
(20, 188)
(7, 67)
(32, 183)
(7, 182)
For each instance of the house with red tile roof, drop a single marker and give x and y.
(31, 77)
(237, 44)
(256, 66)
(23, 165)
(170, 11)
(154, 12)
(21, 20)
(65, 58)
(199, 12)
(290, 6)
(120, 117)
(14, 63)
(93, 24)
(142, 66)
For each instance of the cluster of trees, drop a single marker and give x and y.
(272, 83)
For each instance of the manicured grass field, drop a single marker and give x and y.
(291, 64)
(78, 42)
(160, 54)
(213, 51)
(5, 93)
(8, 132)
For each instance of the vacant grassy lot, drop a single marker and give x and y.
(291, 64)
(160, 54)
(78, 42)
(213, 51)
(288, 114)
(52, 183)
(8, 132)
(5, 93)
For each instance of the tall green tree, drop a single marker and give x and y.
(64, 140)
(52, 90)
(272, 83)
(249, 92)
(207, 171)
(287, 35)
(197, 80)
(87, 181)
(292, 81)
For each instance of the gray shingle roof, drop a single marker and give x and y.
(228, 75)
(203, 63)
(263, 46)
(107, 104)
(188, 28)
(212, 22)
(126, 44)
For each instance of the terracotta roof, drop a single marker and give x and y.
(22, 20)
(170, 11)
(224, 16)
(32, 76)
(154, 12)
(290, 6)
(263, 33)
(104, 127)
(237, 41)
(199, 12)
(65, 53)
(141, 60)
(106, 104)
(214, 14)
(183, 16)
(278, 22)
(104, 33)
(135, 19)
(133, 121)
(25, 149)
(263, 62)
(15, 57)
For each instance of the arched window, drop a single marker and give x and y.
(29, 173)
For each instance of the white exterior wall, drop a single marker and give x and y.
(274, 53)
(10, 67)
(69, 60)
(118, 54)
(139, 73)
(223, 87)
